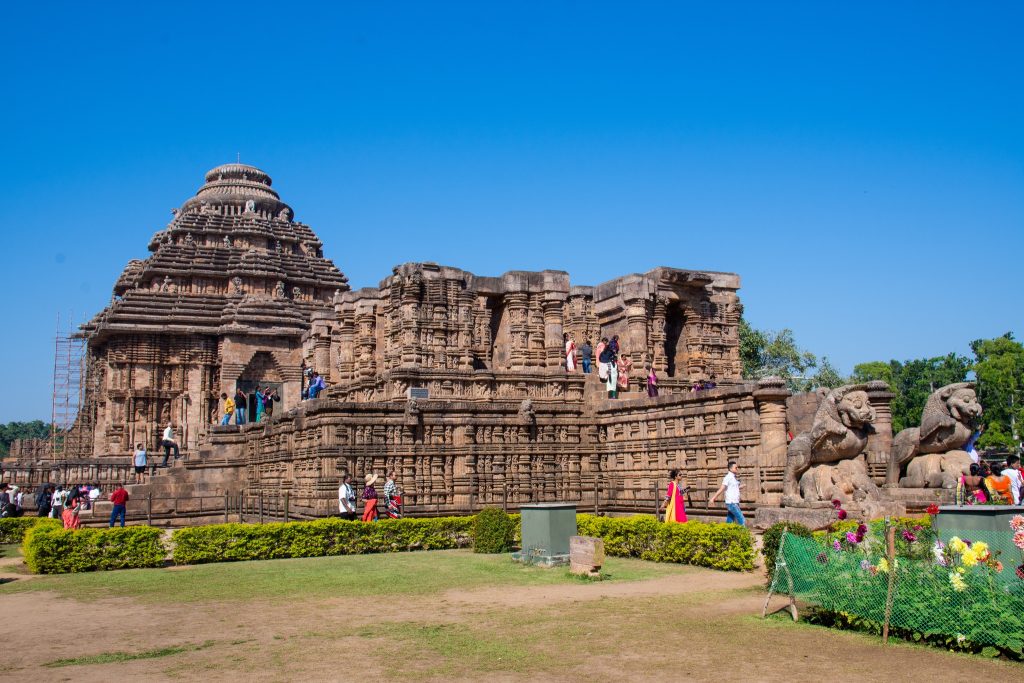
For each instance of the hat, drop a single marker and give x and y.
(370, 478)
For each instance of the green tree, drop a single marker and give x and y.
(999, 370)
(764, 353)
(36, 429)
(912, 382)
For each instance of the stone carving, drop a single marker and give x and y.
(412, 412)
(189, 241)
(165, 286)
(250, 206)
(279, 290)
(277, 247)
(227, 241)
(296, 293)
(840, 431)
(947, 422)
(285, 214)
(236, 285)
(527, 416)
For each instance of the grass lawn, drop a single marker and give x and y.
(419, 573)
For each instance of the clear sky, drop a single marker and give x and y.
(860, 165)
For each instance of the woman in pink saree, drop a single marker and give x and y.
(675, 508)
(570, 353)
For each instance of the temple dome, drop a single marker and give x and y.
(234, 185)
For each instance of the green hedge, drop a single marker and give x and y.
(728, 547)
(233, 542)
(49, 549)
(13, 529)
(494, 531)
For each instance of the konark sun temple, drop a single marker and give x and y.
(455, 380)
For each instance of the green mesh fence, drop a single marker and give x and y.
(960, 595)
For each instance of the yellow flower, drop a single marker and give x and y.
(883, 565)
(979, 548)
(957, 582)
(969, 558)
(956, 545)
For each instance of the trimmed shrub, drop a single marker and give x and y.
(13, 529)
(49, 549)
(493, 532)
(234, 542)
(773, 536)
(728, 547)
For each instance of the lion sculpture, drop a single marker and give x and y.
(947, 423)
(840, 431)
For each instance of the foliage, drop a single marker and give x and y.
(234, 542)
(49, 549)
(13, 529)
(912, 382)
(493, 531)
(773, 536)
(999, 369)
(764, 353)
(36, 429)
(720, 546)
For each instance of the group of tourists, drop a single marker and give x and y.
(984, 483)
(238, 407)
(347, 505)
(674, 505)
(63, 503)
(614, 366)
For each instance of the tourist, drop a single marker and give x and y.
(586, 355)
(570, 353)
(57, 502)
(731, 486)
(258, 393)
(623, 367)
(347, 499)
(1012, 470)
(5, 500)
(392, 497)
(70, 514)
(44, 500)
(316, 385)
(14, 504)
(139, 461)
(169, 444)
(652, 383)
(599, 351)
(370, 499)
(94, 495)
(970, 488)
(229, 409)
(711, 383)
(614, 343)
(241, 406)
(971, 445)
(269, 396)
(119, 497)
(609, 371)
(998, 486)
(675, 508)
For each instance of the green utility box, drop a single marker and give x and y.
(546, 529)
(961, 520)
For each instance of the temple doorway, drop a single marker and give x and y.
(262, 372)
(674, 319)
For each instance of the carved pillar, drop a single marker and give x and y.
(771, 395)
(636, 333)
(656, 337)
(554, 347)
(517, 306)
(880, 442)
(346, 335)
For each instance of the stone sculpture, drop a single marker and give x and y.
(250, 206)
(279, 290)
(840, 431)
(236, 285)
(526, 413)
(947, 422)
(285, 214)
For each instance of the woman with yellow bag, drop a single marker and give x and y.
(675, 508)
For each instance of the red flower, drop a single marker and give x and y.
(933, 509)
(862, 529)
(841, 513)
(836, 503)
(1020, 572)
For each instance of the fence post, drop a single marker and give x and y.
(261, 506)
(890, 553)
(226, 507)
(657, 506)
(597, 494)
(504, 496)
(286, 506)
(149, 509)
(241, 507)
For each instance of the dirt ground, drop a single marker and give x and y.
(694, 625)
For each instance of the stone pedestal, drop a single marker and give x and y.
(547, 528)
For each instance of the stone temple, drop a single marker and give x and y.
(458, 381)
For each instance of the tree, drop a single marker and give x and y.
(912, 382)
(37, 429)
(999, 369)
(828, 376)
(765, 353)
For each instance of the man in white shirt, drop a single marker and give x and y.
(731, 486)
(169, 444)
(1013, 472)
(347, 499)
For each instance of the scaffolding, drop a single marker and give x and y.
(70, 428)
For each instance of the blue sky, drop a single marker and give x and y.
(860, 165)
